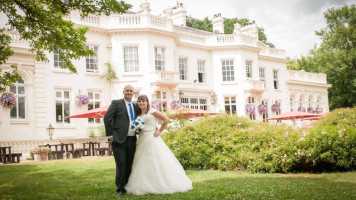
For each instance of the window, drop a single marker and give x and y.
(251, 100)
(194, 103)
(275, 79)
(265, 115)
(248, 69)
(291, 103)
(92, 61)
(94, 102)
(201, 71)
(62, 106)
(162, 96)
(159, 58)
(230, 105)
(182, 68)
(18, 111)
(131, 59)
(228, 70)
(56, 60)
(262, 76)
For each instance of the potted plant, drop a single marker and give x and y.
(8, 99)
(40, 153)
(310, 110)
(301, 109)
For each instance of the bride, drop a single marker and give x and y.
(155, 169)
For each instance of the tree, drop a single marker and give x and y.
(206, 25)
(336, 56)
(42, 24)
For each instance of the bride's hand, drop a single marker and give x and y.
(157, 133)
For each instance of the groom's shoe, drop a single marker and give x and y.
(121, 192)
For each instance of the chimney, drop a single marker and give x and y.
(218, 24)
(178, 14)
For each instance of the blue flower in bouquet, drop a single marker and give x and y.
(8, 99)
(82, 100)
(138, 125)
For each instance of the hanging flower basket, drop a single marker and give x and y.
(301, 109)
(310, 110)
(318, 110)
(156, 104)
(276, 107)
(176, 104)
(250, 108)
(82, 99)
(8, 99)
(262, 109)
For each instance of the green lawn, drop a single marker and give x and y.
(93, 178)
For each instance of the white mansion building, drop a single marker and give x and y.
(162, 58)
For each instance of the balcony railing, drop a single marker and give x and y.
(168, 78)
(254, 86)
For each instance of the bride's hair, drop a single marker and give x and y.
(144, 98)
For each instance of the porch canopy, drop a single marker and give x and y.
(94, 113)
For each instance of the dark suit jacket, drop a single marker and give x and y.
(117, 120)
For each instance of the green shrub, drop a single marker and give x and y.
(227, 142)
(331, 144)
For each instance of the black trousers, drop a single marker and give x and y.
(124, 154)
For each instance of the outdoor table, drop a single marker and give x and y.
(93, 146)
(85, 149)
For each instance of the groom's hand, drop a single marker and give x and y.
(111, 139)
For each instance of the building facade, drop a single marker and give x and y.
(162, 58)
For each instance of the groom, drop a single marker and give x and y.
(117, 122)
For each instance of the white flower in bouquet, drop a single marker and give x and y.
(137, 125)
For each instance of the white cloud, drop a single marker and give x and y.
(290, 25)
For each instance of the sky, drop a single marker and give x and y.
(288, 24)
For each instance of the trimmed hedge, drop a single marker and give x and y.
(227, 142)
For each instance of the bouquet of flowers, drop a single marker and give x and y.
(82, 100)
(250, 108)
(156, 104)
(301, 109)
(137, 125)
(276, 107)
(262, 108)
(8, 99)
(176, 104)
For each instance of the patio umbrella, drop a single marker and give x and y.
(293, 116)
(321, 115)
(94, 113)
(189, 113)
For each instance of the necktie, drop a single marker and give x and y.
(131, 113)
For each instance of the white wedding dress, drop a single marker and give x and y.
(155, 169)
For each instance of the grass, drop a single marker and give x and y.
(93, 178)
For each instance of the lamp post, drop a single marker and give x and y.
(50, 131)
